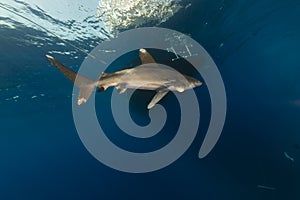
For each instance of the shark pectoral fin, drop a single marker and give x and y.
(146, 57)
(159, 95)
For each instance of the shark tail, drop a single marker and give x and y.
(85, 84)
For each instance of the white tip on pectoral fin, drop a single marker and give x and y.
(159, 95)
(150, 105)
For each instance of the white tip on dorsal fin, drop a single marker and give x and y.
(143, 51)
(146, 57)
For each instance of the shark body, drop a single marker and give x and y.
(148, 76)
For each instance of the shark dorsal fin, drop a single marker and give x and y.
(146, 57)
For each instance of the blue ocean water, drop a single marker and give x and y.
(255, 45)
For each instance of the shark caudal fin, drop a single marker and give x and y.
(85, 84)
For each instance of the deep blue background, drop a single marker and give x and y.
(255, 45)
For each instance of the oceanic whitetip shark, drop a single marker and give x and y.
(148, 76)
